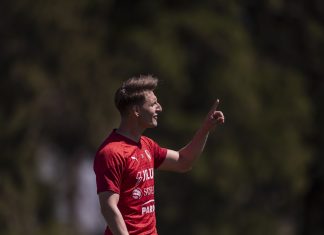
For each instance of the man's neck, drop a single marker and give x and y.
(130, 131)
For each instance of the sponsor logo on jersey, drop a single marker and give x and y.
(148, 207)
(144, 175)
(137, 193)
(148, 191)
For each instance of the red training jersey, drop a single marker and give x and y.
(127, 168)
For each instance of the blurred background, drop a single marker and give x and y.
(61, 62)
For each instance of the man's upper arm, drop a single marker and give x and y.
(108, 202)
(173, 162)
(108, 199)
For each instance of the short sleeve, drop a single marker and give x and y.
(159, 153)
(108, 167)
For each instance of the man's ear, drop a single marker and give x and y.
(136, 110)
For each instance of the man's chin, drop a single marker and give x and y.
(153, 125)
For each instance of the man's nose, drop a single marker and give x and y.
(159, 108)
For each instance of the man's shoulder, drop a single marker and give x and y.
(110, 153)
(147, 140)
(111, 146)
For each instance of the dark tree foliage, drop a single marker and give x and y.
(261, 173)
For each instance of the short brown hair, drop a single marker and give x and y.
(133, 91)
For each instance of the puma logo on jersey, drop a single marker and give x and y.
(142, 156)
(134, 158)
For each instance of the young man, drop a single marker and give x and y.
(125, 162)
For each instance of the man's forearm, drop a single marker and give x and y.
(195, 147)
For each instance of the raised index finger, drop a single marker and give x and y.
(215, 105)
